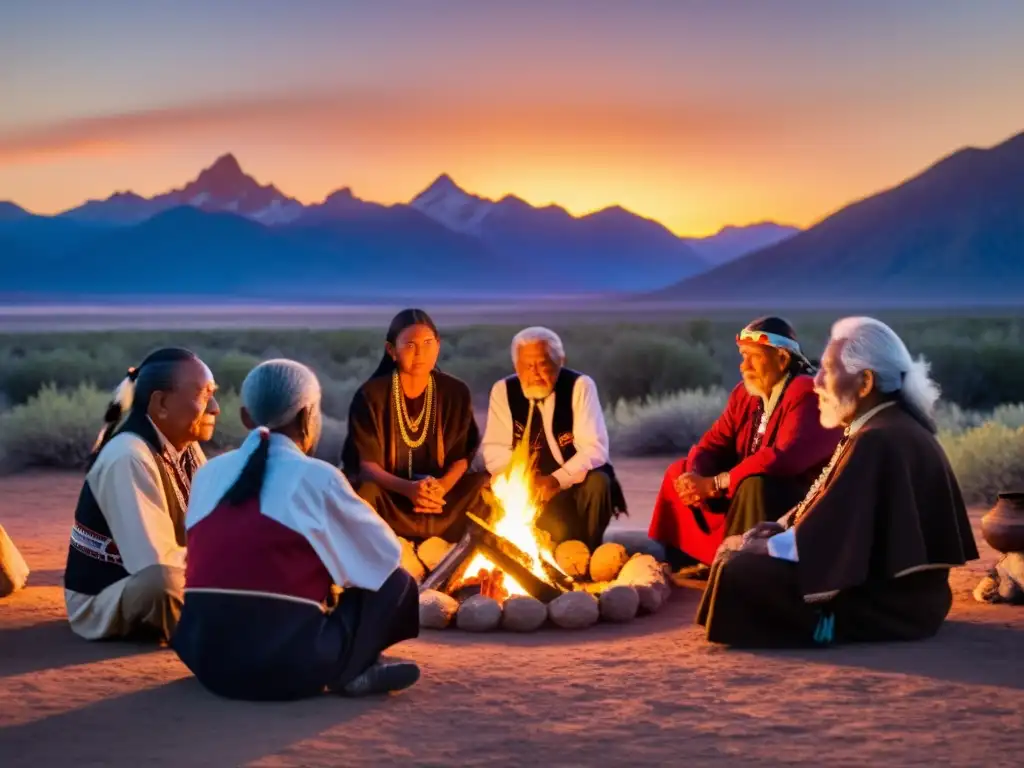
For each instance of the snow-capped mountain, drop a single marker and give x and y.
(222, 188)
(447, 203)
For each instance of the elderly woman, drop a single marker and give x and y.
(412, 436)
(272, 534)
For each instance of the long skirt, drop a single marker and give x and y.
(699, 530)
(396, 510)
(259, 648)
(754, 601)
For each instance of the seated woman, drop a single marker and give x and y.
(412, 436)
(272, 534)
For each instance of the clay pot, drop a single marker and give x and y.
(1003, 525)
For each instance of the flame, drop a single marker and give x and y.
(514, 516)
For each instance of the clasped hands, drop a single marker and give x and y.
(693, 488)
(427, 496)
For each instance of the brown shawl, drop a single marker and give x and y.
(891, 507)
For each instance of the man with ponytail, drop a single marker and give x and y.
(125, 567)
(866, 554)
(274, 536)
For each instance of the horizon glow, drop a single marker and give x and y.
(698, 115)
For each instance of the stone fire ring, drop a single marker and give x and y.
(613, 585)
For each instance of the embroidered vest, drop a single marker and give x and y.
(94, 561)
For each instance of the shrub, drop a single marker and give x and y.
(634, 366)
(67, 368)
(665, 425)
(987, 460)
(53, 429)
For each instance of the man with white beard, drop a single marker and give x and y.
(559, 412)
(866, 555)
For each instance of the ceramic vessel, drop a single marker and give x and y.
(1003, 525)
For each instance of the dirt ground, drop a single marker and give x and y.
(648, 693)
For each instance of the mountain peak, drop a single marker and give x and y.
(227, 163)
(12, 211)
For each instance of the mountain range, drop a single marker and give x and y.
(253, 240)
(952, 234)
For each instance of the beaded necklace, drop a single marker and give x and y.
(408, 426)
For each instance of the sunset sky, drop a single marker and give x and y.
(698, 114)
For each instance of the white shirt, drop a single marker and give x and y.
(312, 498)
(590, 434)
(783, 545)
(126, 484)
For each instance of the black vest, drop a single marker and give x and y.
(561, 426)
(94, 561)
(561, 421)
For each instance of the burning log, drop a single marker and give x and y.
(506, 556)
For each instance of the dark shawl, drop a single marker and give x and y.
(373, 430)
(892, 507)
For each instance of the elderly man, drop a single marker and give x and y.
(125, 568)
(272, 534)
(758, 458)
(558, 411)
(866, 554)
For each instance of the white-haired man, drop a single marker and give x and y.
(558, 411)
(866, 555)
(272, 534)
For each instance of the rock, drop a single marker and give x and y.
(573, 557)
(522, 613)
(593, 587)
(637, 542)
(607, 561)
(647, 576)
(13, 568)
(437, 609)
(574, 610)
(410, 562)
(433, 551)
(619, 603)
(478, 614)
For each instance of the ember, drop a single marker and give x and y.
(507, 562)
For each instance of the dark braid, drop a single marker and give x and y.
(155, 373)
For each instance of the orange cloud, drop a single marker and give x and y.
(378, 119)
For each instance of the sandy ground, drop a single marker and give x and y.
(649, 693)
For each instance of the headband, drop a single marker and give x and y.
(766, 339)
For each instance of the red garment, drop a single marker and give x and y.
(794, 445)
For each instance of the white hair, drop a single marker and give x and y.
(536, 334)
(871, 345)
(276, 390)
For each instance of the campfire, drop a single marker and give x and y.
(505, 570)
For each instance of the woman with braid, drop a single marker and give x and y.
(273, 536)
(125, 569)
(412, 436)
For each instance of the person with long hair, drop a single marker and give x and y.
(293, 584)
(125, 567)
(412, 437)
(866, 554)
(755, 462)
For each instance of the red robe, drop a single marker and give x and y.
(795, 445)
